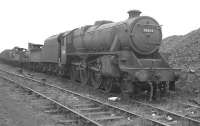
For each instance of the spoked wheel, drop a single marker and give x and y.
(96, 80)
(84, 76)
(108, 85)
(73, 73)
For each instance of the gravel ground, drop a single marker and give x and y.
(16, 111)
(179, 95)
(18, 108)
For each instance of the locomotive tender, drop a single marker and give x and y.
(108, 55)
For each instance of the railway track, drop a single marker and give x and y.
(55, 114)
(54, 107)
(181, 113)
(101, 113)
(93, 111)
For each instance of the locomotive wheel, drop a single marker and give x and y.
(73, 73)
(127, 89)
(108, 85)
(84, 76)
(96, 80)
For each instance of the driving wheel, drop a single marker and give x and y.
(96, 79)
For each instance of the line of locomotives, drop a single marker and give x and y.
(107, 55)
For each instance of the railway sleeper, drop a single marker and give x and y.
(45, 107)
(107, 118)
(91, 109)
(51, 111)
(73, 103)
(65, 122)
(97, 113)
(84, 105)
(103, 115)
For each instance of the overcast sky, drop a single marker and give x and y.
(24, 21)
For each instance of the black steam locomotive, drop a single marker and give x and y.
(108, 55)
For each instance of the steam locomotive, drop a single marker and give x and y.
(108, 55)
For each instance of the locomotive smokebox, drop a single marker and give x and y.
(134, 13)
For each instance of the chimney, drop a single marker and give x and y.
(134, 13)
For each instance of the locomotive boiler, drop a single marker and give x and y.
(141, 34)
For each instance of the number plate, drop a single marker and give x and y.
(148, 30)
